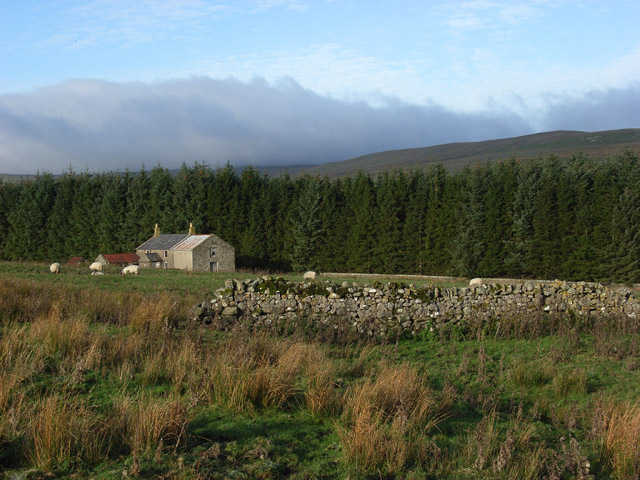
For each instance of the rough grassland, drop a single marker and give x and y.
(107, 377)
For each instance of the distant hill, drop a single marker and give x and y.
(562, 143)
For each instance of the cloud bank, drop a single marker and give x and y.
(99, 125)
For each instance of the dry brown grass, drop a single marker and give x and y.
(618, 429)
(62, 339)
(153, 314)
(371, 445)
(263, 371)
(147, 422)
(186, 365)
(396, 390)
(386, 420)
(61, 428)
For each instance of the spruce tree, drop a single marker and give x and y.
(413, 249)
(59, 222)
(28, 221)
(360, 210)
(391, 192)
(84, 216)
(10, 194)
(468, 245)
(307, 226)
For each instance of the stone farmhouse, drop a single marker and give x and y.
(198, 253)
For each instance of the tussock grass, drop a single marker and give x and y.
(387, 418)
(531, 374)
(147, 423)
(617, 427)
(61, 429)
(570, 382)
(153, 314)
(267, 372)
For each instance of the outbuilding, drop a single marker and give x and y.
(121, 259)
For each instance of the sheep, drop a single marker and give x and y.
(475, 281)
(95, 267)
(310, 275)
(54, 268)
(131, 270)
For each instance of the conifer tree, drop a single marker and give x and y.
(84, 216)
(443, 203)
(390, 199)
(307, 226)
(28, 221)
(468, 245)
(518, 244)
(223, 204)
(360, 209)
(58, 223)
(137, 220)
(110, 231)
(10, 194)
(159, 203)
(413, 249)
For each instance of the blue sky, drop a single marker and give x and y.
(297, 81)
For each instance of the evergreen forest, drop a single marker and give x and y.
(573, 219)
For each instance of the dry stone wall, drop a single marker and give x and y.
(380, 309)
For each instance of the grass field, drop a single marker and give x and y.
(107, 377)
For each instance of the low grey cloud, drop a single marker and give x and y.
(596, 110)
(99, 126)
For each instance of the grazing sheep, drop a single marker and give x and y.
(95, 267)
(131, 270)
(475, 281)
(54, 268)
(310, 275)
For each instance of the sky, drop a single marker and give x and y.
(112, 84)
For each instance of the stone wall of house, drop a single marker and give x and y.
(225, 256)
(379, 309)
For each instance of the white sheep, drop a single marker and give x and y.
(54, 268)
(310, 275)
(475, 281)
(131, 270)
(95, 267)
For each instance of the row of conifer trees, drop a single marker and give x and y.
(575, 218)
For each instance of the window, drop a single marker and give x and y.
(212, 252)
(147, 251)
(165, 254)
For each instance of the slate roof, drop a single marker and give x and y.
(153, 257)
(162, 242)
(190, 242)
(150, 257)
(121, 257)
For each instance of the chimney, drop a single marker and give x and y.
(192, 231)
(156, 231)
